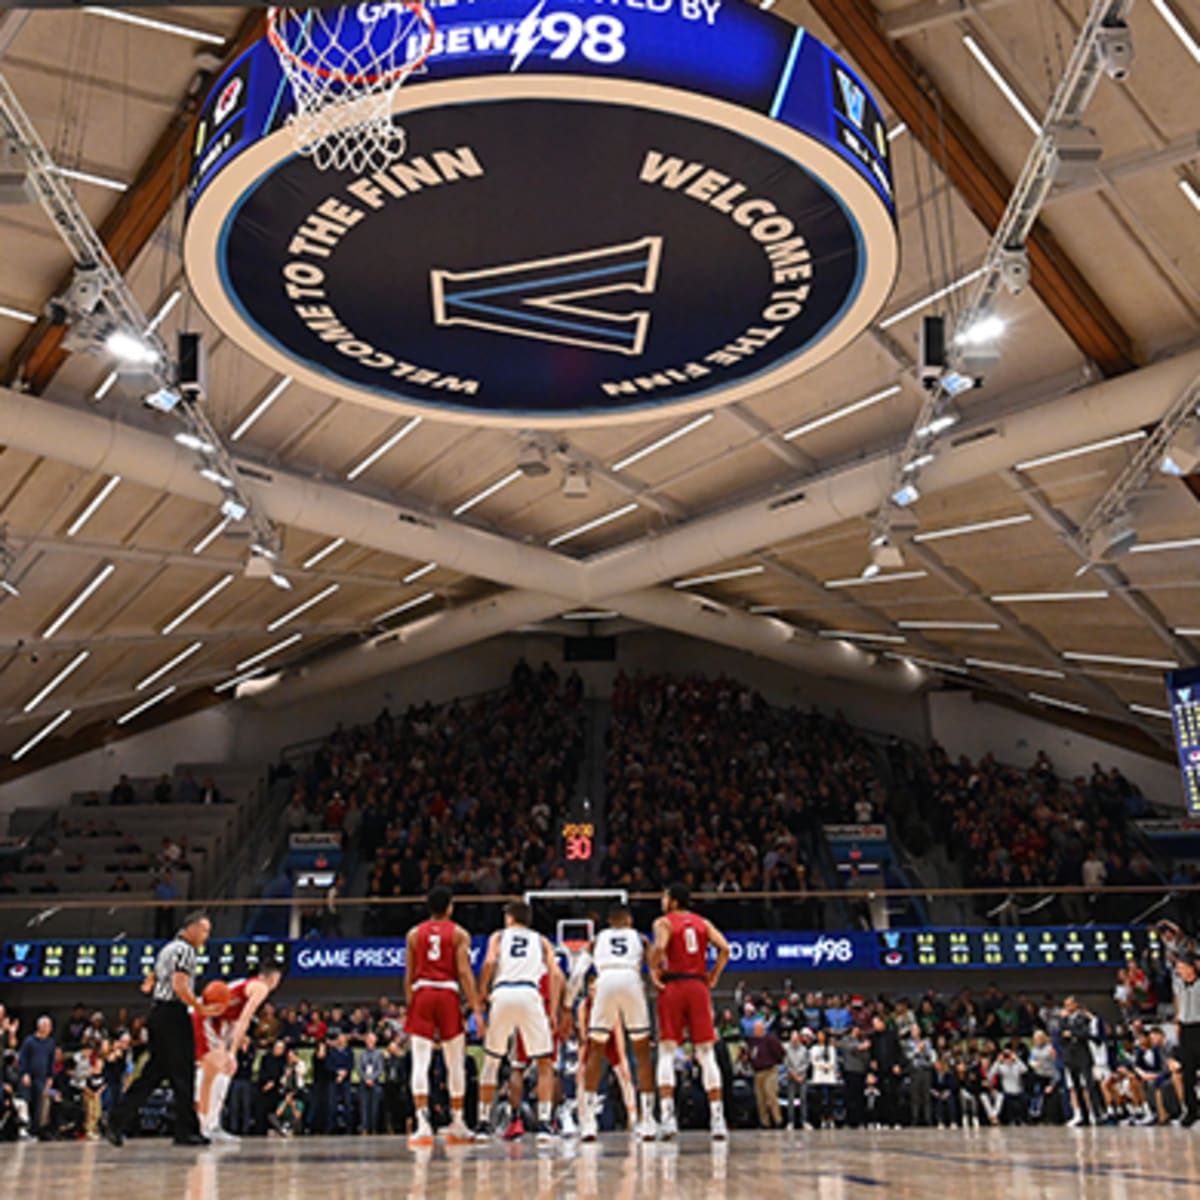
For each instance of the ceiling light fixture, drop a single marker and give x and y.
(1178, 28)
(419, 573)
(861, 581)
(157, 698)
(940, 294)
(934, 535)
(719, 576)
(214, 476)
(18, 314)
(665, 440)
(839, 414)
(1077, 451)
(850, 635)
(311, 602)
(277, 648)
(896, 131)
(906, 496)
(104, 181)
(90, 511)
(130, 348)
(405, 607)
(197, 604)
(1121, 660)
(982, 332)
(1159, 547)
(1147, 711)
(384, 447)
(1055, 702)
(594, 523)
(1046, 597)
(598, 614)
(987, 664)
(1188, 188)
(232, 683)
(183, 31)
(281, 581)
(45, 731)
(323, 553)
(170, 665)
(953, 668)
(261, 407)
(964, 626)
(189, 441)
(765, 610)
(487, 492)
(1005, 88)
(67, 671)
(80, 599)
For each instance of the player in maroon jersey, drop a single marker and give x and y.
(218, 1040)
(680, 970)
(438, 964)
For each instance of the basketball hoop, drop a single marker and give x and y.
(344, 66)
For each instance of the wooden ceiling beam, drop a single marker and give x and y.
(981, 182)
(135, 217)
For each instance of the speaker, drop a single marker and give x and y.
(192, 365)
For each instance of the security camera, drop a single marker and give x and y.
(1114, 45)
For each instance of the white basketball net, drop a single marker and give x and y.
(344, 66)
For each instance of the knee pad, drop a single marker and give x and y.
(422, 1052)
(456, 1075)
(666, 1065)
(710, 1073)
(490, 1072)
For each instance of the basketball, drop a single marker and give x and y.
(216, 992)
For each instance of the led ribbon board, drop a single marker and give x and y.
(607, 208)
(1183, 691)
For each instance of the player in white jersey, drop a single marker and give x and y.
(517, 958)
(617, 954)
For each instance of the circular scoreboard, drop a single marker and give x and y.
(606, 209)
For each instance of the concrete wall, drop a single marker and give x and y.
(966, 726)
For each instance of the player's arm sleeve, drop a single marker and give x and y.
(583, 964)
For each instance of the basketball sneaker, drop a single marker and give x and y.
(545, 1133)
(457, 1133)
(647, 1130)
(483, 1130)
(515, 1130)
(667, 1130)
(587, 1127)
(220, 1137)
(423, 1134)
(719, 1129)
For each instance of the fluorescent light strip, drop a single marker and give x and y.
(1055, 702)
(1178, 28)
(420, 573)
(104, 181)
(68, 670)
(1147, 711)
(384, 447)
(182, 656)
(764, 610)
(1091, 448)
(403, 608)
(953, 668)
(935, 535)
(966, 626)
(106, 386)
(89, 512)
(488, 491)
(1006, 89)
(324, 594)
(839, 413)
(184, 31)
(1121, 660)
(665, 440)
(323, 553)
(942, 292)
(598, 614)
(18, 314)
(261, 407)
(1189, 190)
(1156, 547)
(196, 605)
(45, 731)
(719, 576)
(849, 635)
(988, 664)
(1042, 597)
(595, 523)
(164, 310)
(75, 605)
(896, 131)
(232, 683)
(157, 698)
(268, 652)
(863, 581)
(211, 536)
(1185, 631)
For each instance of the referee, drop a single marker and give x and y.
(172, 1043)
(1187, 1011)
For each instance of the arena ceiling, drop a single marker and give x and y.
(1117, 289)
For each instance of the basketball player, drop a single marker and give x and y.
(517, 958)
(617, 953)
(614, 1053)
(218, 1040)
(679, 967)
(439, 963)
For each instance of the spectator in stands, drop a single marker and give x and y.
(189, 789)
(339, 1116)
(766, 1056)
(122, 792)
(919, 1052)
(1010, 1071)
(825, 1077)
(270, 1082)
(371, 1067)
(856, 1060)
(35, 1070)
(887, 1064)
(210, 793)
(120, 884)
(163, 791)
(10, 1028)
(797, 1062)
(1045, 1099)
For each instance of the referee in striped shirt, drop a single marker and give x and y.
(172, 1043)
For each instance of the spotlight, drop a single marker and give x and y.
(257, 568)
(191, 442)
(575, 484)
(981, 332)
(233, 508)
(130, 348)
(16, 185)
(262, 551)
(938, 424)
(871, 570)
(1114, 47)
(532, 461)
(922, 460)
(164, 400)
(885, 554)
(1014, 269)
(904, 496)
(214, 476)
(1076, 153)
(1113, 538)
(954, 383)
(282, 582)
(9, 587)
(1183, 451)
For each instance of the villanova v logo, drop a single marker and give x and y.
(854, 98)
(543, 298)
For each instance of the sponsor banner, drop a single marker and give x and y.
(315, 841)
(856, 833)
(1173, 825)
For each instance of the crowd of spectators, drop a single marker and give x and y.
(708, 782)
(466, 794)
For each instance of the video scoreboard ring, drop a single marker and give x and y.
(976, 949)
(100, 961)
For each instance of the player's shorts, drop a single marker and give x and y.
(518, 1008)
(209, 1034)
(620, 999)
(435, 1014)
(686, 1004)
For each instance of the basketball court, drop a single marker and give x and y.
(985, 1165)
